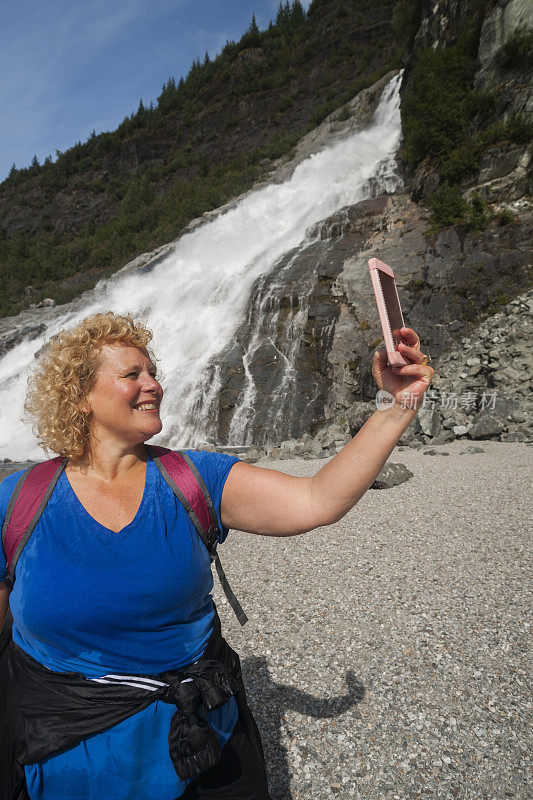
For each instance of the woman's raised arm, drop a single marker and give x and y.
(271, 503)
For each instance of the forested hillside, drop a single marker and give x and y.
(207, 137)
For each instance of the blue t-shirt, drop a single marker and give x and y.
(92, 601)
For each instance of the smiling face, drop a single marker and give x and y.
(124, 402)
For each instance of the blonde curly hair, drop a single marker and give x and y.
(66, 372)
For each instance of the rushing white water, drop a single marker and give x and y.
(195, 299)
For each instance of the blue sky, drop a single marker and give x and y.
(68, 66)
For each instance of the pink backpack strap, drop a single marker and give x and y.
(28, 501)
(182, 476)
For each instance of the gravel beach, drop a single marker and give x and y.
(386, 656)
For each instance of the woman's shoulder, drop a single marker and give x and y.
(213, 469)
(211, 459)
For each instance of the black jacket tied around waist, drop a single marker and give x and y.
(50, 712)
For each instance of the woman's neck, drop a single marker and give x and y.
(109, 462)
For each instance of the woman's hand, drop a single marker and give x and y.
(406, 384)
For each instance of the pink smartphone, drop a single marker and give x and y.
(390, 312)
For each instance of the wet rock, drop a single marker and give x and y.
(358, 111)
(10, 338)
(315, 314)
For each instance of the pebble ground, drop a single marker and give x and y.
(386, 656)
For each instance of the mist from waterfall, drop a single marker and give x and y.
(195, 299)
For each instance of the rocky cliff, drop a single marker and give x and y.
(464, 287)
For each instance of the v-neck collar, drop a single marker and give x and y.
(108, 532)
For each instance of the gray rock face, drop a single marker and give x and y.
(505, 175)
(498, 27)
(450, 286)
(439, 18)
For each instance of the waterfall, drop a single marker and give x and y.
(196, 298)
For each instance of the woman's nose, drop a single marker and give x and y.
(151, 384)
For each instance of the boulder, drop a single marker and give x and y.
(486, 426)
(392, 475)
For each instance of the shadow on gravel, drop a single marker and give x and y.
(270, 701)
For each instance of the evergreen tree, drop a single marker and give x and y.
(12, 171)
(139, 117)
(167, 100)
(252, 37)
(35, 162)
(297, 13)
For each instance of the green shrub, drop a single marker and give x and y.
(481, 104)
(342, 11)
(285, 104)
(505, 217)
(405, 22)
(517, 52)
(447, 204)
(435, 112)
(519, 129)
(477, 218)
(446, 119)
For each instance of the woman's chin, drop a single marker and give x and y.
(157, 427)
(152, 429)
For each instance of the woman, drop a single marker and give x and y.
(114, 580)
